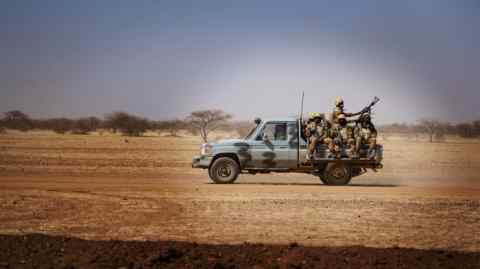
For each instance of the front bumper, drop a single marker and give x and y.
(201, 161)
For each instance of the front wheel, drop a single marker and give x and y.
(337, 174)
(322, 179)
(224, 170)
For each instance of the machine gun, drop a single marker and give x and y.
(368, 108)
(367, 111)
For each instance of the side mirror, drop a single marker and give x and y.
(265, 138)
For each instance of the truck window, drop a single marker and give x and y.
(274, 131)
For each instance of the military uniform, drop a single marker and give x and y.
(341, 135)
(317, 131)
(339, 110)
(365, 133)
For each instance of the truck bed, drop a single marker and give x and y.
(322, 153)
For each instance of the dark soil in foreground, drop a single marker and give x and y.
(41, 251)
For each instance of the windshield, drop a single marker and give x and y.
(251, 132)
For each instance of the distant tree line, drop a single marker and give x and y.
(198, 122)
(204, 122)
(435, 130)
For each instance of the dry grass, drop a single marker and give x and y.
(47, 152)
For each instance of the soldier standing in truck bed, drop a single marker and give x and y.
(339, 110)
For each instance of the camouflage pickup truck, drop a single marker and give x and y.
(278, 145)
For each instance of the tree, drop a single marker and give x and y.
(171, 126)
(16, 119)
(128, 124)
(243, 128)
(432, 128)
(465, 130)
(2, 126)
(60, 125)
(206, 121)
(86, 125)
(476, 128)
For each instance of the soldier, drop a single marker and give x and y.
(365, 133)
(339, 110)
(316, 132)
(343, 136)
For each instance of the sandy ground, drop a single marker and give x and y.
(100, 188)
(187, 208)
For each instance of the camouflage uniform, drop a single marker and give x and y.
(342, 136)
(339, 110)
(365, 133)
(317, 131)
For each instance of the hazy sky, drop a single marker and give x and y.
(163, 59)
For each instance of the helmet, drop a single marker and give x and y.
(339, 101)
(314, 115)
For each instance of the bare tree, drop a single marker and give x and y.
(432, 128)
(243, 128)
(206, 121)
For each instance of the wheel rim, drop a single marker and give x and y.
(338, 173)
(224, 171)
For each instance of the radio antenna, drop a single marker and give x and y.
(301, 107)
(299, 130)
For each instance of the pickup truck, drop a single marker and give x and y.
(279, 145)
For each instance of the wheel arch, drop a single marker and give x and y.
(226, 154)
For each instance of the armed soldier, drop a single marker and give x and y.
(317, 131)
(339, 110)
(365, 133)
(342, 137)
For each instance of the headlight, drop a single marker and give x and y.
(206, 149)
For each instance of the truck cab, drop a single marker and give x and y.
(277, 145)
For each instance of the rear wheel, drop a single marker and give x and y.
(224, 170)
(336, 174)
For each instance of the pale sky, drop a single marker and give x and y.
(164, 59)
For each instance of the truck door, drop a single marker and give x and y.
(270, 149)
(294, 134)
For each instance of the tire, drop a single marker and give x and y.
(337, 174)
(224, 170)
(322, 179)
